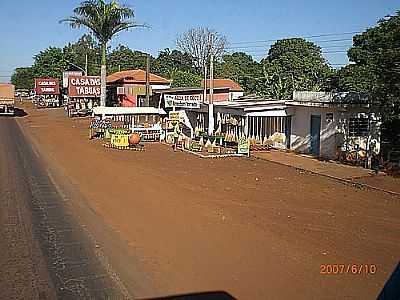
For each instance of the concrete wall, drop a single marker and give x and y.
(235, 95)
(333, 134)
(301, 130)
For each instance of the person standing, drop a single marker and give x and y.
(177, 132)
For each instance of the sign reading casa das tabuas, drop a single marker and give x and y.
(84, 86)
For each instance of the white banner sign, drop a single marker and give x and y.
(185, 101)
(66, 74)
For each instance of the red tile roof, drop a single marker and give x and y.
(224, 83)
(135, 76)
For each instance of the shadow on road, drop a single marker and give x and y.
(391, 291)
(19, 113)
(199, 296)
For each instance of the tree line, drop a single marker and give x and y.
(290, 64)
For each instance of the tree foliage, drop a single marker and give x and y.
(123, 58)
(293, 64)
(241, 68)
(104, 20)
(50, 63)
(172, 60)
(76, 54)
(377, 53)
(377, 50)
(23, 78)
(184, 78)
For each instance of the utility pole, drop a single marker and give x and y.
(86, 64)
(211, 102)
(147, 80)
(205, 83)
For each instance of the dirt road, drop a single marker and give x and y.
(254, 229)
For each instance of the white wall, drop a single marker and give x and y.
(333, 135)
(301, 130)
(160, 86)
(235, 95)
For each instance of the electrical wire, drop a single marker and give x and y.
(304, 37)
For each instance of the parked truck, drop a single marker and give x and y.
(7, 99)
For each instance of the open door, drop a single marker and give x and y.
(315, 135)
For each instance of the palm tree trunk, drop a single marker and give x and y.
(103, 75)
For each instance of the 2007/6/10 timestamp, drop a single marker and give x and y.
(355, 269)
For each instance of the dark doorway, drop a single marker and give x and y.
(315, 135)
(288, 130)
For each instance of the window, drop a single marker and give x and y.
(329, 118)
(358, 126)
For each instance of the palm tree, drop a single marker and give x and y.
(105, 20)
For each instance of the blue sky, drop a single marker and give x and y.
(30, 26)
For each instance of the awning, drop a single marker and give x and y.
(268, 113)
(128, 111)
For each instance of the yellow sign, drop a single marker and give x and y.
(120, 140)
(174, 116)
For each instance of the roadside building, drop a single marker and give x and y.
(192, 103)
(83, 95)
(317, 123)
(235, 90)
(128, 88)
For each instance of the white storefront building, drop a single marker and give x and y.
(317, 123)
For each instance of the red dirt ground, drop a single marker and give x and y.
(252, 228)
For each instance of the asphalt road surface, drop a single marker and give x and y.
(45, 252)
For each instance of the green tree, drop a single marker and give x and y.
(168, 61)
(104, 20)
(122, 58)
(353, 78)
(377, 52)
(50, 63)
(77, 52)
(23, 78)
(241, 68)
(184, 78)
(293, 64)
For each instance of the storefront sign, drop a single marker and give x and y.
(174, 116)
(67, 74)
(120, 140)
(47, 86)
(99, 123)
(185, 101)
(244, 146)
(84, 86)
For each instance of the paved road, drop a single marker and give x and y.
(45, 253)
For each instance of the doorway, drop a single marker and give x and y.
(315, 136)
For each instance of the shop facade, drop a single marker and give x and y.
(128, 88)
(83, 95)
(321, 124)
(47, 92)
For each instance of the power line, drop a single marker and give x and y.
(270, 43)
(305, 37)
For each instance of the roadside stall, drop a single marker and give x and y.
(47, 92)
(144, 121)
(83, 95)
